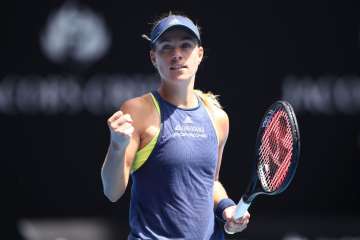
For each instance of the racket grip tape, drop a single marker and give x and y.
(241, 209)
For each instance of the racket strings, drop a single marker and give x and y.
(275, 152)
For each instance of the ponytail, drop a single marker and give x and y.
(209, 99)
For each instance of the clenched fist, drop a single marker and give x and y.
(121, 129)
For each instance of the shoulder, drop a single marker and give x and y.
(220, 115)
(221, 119)
(221, 122)
(137, 105)
(141, 110)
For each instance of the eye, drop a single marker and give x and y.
(166, 47)
(187, 45)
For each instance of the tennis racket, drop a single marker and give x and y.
(277, 152)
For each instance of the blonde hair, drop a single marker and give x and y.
(208, 98)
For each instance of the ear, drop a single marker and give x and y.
(201, 54)
(152, 57)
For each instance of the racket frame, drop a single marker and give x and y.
(255, 188)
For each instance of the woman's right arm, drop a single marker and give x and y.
(124, 142)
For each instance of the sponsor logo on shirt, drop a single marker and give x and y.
(188, 129)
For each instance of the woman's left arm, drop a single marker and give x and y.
(225, 207)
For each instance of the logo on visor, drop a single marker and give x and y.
(174, 22)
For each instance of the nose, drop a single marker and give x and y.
(177, 54)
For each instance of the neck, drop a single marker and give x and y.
(180, 96)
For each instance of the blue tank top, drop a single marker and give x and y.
(172, 193)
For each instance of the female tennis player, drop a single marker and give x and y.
(170, 141)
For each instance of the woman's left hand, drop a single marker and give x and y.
(232, 225)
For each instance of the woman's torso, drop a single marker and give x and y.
(172, 191)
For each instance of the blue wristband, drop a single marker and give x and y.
(224, 203)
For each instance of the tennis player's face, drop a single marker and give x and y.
(177, 56)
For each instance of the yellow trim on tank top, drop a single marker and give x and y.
(143, 154)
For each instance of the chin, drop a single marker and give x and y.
(180, 79)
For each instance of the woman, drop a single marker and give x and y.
(171, 142)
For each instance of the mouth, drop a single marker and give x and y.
(178, 67)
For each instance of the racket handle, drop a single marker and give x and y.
(241, 209)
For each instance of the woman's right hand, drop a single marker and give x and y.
(121, 129)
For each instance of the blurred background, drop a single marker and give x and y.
(66, 65)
